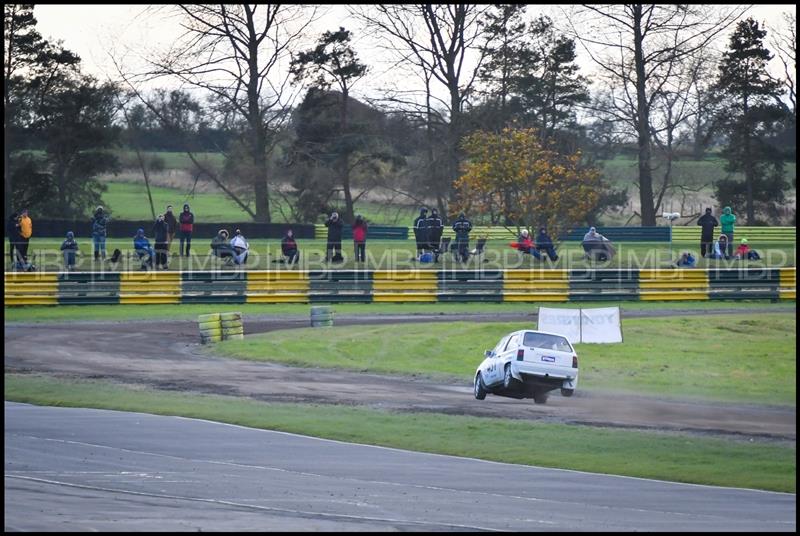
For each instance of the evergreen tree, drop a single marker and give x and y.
(751, 118)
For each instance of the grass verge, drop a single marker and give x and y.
(663, 456)
(742, 358)
(188, 311)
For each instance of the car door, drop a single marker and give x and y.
(508, 353)
(491, 374)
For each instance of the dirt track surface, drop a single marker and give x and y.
(167, 355)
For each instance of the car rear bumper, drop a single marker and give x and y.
(551, 375)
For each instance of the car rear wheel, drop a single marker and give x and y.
(567, 392)
(540, 397)
(480, 391)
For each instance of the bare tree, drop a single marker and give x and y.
(641, 46)
(784, 41)
(235, 52)
(441, 40)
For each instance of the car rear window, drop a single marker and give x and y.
(547, 342)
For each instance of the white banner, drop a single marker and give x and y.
(601, 325)
(566, 322)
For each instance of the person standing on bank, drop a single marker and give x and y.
(421, 231)
(707, 222)
(160, 230)
(360, 238)
(25, 233)
(186, 220)
(434, 228)
(462, 227)
(333, 249)
(99, 232)
(172, 223)
(727, 222)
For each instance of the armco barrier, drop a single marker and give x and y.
(336, 286)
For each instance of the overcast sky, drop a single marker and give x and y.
(92, 30)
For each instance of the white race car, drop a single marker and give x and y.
(528, 364)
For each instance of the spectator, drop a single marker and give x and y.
(545, 243)
(25, 233)
(172, 224)
(435, 227)
(707, 222)
(333, 249)
(462, 226)
(186, 220)
(145, 253)
(720, 250)
(70, 248)
(597, 246)
(686, 260)
(727, 222)
(289, 248)
(744, 252)
(525, 244)
(360, 238)
(99, 232)
(220, 246)
(160, 230)
(12, 231)
(240, 248)
(421, 230)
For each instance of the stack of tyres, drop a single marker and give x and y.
(321, 316)
(210, 328)
(232, 327)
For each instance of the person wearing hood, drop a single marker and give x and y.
(597, 246)
(462, 226)
(99, 232)
(70, 249)
(421, 230)
(727, 222)
(707, 222)
(220, 246)
(186, 221)
(545, 243)
(240, 247)
(435, 228)
(289, 248)
(141, 245)
(160, 231)
(333, 248)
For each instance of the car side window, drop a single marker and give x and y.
(511, 342)
(500, 345)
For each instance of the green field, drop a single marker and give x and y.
(129, 201)
(744, 358)
(188, 311)
(395, 254)
(664, 456)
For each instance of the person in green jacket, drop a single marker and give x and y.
(726, 223)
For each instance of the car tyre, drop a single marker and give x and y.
(509, 382)
(567, 392)
(540, 397)
(480, 390)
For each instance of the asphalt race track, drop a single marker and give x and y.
(86, 470)
(93, 470)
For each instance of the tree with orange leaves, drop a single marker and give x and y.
(513, 173)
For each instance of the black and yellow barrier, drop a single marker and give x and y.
(337, 286)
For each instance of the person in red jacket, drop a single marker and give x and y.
(186, 221)
(525, 244)
(360, 238)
